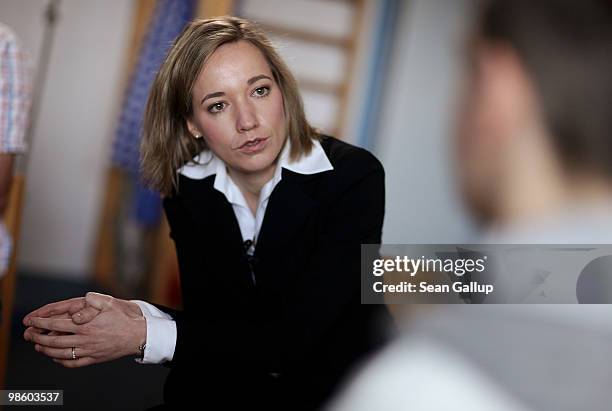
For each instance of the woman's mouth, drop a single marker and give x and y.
(254, 146)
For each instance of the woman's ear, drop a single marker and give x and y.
(193, 129)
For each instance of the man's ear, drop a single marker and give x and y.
(506, 86)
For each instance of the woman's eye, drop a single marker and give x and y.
(217, 107)
(261, 91)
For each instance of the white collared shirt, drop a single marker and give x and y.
(161, 328)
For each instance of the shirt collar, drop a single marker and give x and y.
(206, 164)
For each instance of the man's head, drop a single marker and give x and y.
(538, 109)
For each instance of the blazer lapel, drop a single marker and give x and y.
(288, 210)
(216, 217)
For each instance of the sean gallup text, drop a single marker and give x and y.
(424, 287)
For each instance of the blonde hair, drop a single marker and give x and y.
(166, 142)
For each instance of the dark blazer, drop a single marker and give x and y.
(285, 340)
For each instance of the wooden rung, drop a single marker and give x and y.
(309, 36)
(321, 86)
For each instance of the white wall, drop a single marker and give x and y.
(414, 141)
(70, 152)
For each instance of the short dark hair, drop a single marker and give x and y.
(566, 47)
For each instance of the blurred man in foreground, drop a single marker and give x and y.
(535, 166)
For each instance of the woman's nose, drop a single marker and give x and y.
(246, 119)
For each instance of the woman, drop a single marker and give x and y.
(267, 217)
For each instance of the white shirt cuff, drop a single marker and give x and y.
(161, 334)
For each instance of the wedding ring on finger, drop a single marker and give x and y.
(74, 357)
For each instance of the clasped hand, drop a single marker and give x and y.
(86, 330)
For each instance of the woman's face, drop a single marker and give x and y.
(238, 108)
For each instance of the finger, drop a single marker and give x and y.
(77, 306)
(60, 353)
(97, 300)
(85, 315)
(27, 332)
(56, 308)
(43, 331)
(54, 324)
(60, 316)
(80, 362)
(57, 341)
(33, 330)
(64, 315)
